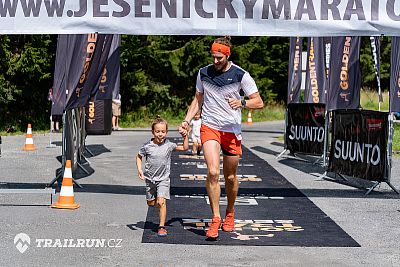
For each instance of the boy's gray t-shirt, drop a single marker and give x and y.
(157, 160)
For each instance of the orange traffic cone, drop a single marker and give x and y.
(249, 119)
(66, 199)
(29, 146)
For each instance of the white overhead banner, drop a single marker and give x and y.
(202, 17)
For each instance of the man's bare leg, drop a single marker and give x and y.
(231, 181)
(211, 150)
(114, 121)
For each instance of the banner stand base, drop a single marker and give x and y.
(281, 154)
(322, 177)
(393, 188)
(83, 169)
(86, 159)
(318, 160)
(90, 152)
(59, 176)
(378, 183)
(51, 146)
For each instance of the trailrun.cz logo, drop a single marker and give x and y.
(22, 242)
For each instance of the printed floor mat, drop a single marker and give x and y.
(269, 211)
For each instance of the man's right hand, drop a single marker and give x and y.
(183, 128)
(141, 175)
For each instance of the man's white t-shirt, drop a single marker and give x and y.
(216, 88)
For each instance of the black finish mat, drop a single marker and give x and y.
(269, 210)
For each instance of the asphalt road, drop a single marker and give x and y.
(113, 210)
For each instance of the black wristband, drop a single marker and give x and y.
(243, 102)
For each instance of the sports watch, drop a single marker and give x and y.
(243, 103)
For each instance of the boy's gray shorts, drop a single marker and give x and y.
(156, 189)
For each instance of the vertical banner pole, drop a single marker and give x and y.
(284, 134)
(326, 137)
(51, 145)
(324, 175)
(390, 142)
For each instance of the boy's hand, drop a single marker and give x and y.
(141, 175)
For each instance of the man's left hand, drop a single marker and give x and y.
(234, 103)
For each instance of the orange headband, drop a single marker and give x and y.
(220, 48)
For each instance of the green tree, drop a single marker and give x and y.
(27, 65)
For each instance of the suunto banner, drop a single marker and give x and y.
(359, 144)
(305, 128)
(201, 17)
(315, 71)
(395, 76)
(345, 74)
(294, 76)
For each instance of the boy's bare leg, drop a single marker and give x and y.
(162, 207)
(211, 150)
(194, 147)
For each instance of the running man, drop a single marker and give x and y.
(217, 94)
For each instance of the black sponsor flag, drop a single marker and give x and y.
(109, 81)
(294, 76)
(59, 90)
(395, 76)
(89, 56)
(359, 144)
(327, 45)
(315, 71)
(345, 74)
(376, 55)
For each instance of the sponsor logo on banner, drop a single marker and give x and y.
(357, 152)
(90, 48)
(374, 124)
(313, 73)
(344, 73)
(103, 82)
(319, 112)
(307, 133)
(248, 229)
(91, 112)
(203, 177)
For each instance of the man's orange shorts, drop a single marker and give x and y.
(230, 145)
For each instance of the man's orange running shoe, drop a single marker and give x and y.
(229, 222)
(212, 231)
